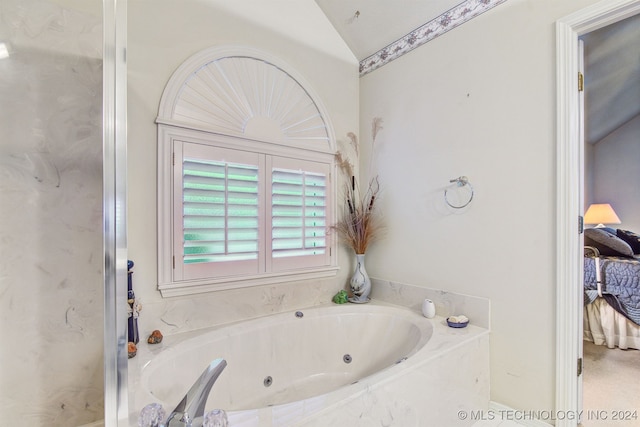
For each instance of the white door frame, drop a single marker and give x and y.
(568, 209)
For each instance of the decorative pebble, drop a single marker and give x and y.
(132, 349)
(155, 337)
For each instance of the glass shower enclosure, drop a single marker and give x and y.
(62, 212)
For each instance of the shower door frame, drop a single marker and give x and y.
(116, 407)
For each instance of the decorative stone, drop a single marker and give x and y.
(155, 337)
(341, 297)
(132, 349)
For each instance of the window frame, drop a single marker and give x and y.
(168, 284)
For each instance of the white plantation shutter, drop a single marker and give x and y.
(240, 213)
(298, 214)
(220, 211)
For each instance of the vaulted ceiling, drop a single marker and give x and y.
(612, 59)
(369, 25)
(612, 77)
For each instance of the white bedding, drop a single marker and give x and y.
(605, 326)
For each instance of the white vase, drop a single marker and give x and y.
(428, 309)
(360, 283)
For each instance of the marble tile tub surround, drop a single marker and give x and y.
(184, 314)
(477, 309)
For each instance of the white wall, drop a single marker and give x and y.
(589, 180)
(478, 101)
(616, 173)
(51, 268)
(161, 35)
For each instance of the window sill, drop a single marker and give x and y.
(174, 289)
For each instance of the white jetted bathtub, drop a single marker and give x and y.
(336, 365)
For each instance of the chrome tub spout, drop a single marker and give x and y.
(190, 411)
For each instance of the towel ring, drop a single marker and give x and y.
(461, 181)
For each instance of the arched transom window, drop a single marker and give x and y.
(245, 166)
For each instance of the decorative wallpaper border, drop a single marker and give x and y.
(452, 18)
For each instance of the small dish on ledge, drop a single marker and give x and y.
(456, 324)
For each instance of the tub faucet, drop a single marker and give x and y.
(190, 411)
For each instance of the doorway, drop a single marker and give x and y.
(612, 126)
(569, 209)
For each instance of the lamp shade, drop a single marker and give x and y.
(601, 213)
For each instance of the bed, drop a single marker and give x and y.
(612, 288)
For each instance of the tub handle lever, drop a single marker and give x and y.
(190, 411)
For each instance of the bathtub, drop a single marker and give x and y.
(338, 365)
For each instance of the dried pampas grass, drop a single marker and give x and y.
(361, 223)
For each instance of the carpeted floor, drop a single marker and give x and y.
(611, 387)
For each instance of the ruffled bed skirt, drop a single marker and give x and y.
(605, 326)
